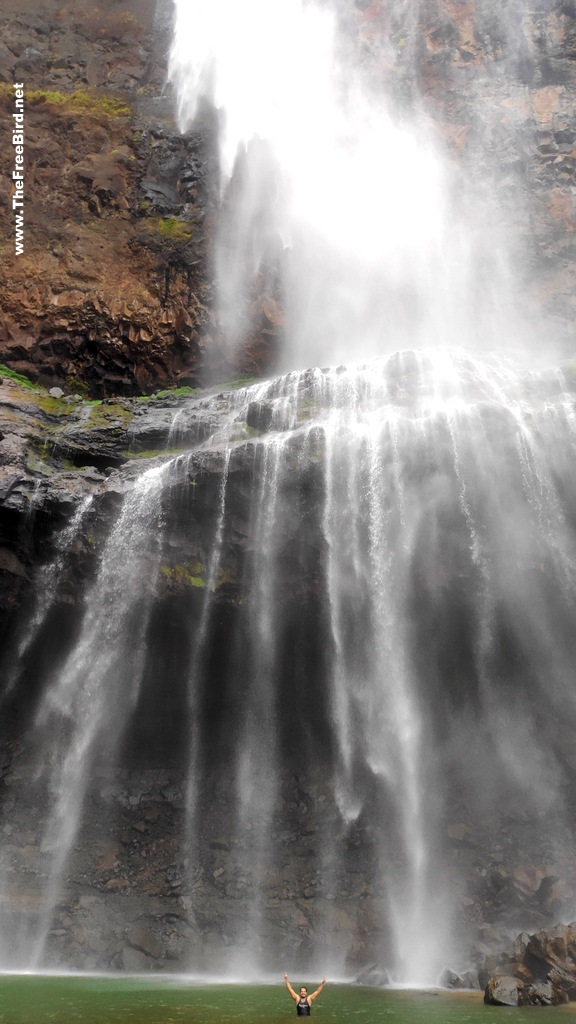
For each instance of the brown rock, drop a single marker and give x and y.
(143, 939)
(504, 990)
(115, 884)
(134, 960)
(108, 859)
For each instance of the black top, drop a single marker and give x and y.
(303, 1007)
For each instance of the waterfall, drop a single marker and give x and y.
(379, 243)
(358, 592)
(323, 180)
(85, 709)
(375, 627)
(50, 576)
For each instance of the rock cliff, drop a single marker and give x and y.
(111, 293)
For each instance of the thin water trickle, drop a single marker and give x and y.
(199, 655)
(49, 579)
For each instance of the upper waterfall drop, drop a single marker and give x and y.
(353, 204)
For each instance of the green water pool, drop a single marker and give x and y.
(26, 999)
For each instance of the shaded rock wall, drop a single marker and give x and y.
(131, 901)
(140, 893)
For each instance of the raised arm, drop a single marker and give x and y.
(290, 989)
(317, 992)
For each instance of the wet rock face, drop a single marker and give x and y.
(538, 970)
(56, 452)
(142, 896)
(138, 895)
(131, 900)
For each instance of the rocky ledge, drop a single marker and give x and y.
(537, 970)
(57, 450)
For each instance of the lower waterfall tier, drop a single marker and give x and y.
(301, 691)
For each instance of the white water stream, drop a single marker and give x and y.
(383, 245)
(443, 504)
(375, 257)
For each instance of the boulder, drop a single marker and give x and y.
(134, 961)
(541, 966)
(449, 979)
(468, 980)
(504, 990)
(471, 980)
(259, 416)
(375, 976)
(539, 994)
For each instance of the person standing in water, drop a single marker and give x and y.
(303, 1001)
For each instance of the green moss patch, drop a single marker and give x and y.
(184, 575)
(78, 387)
(225, 576)
(170, 392)
(54, 406)
(240, 382)
(177, 392)
(39, 467)
(19, 378)
(102, 415)
(79, 102)
(171, 227)
(153, 453)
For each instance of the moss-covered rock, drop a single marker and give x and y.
(184, 575)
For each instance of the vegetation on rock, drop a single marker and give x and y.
(19, 378)
(81, 101)
(184, 575)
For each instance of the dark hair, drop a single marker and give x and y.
(303, 987)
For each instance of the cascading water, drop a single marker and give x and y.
(373, 257)
(357, 209)
(83, 713)
(358, 592)
(399, 557)
(51, 575)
